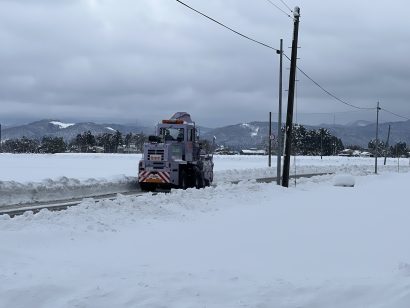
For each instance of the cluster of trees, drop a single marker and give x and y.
(397, 150)
(313, 142)
(85, 142)
(26, 145)
(304, 142)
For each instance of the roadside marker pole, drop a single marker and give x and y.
(377, 139)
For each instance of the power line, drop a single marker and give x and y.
(230, 29)
(278, 51)
(284, 3)
(395, 114)
(329, 93)
(326, 113)
(279, 8)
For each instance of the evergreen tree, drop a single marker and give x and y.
(53, 145)
(84, 141)
(381, 148)
(399, 149)
(314, 142)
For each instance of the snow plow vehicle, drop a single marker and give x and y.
(174, 157)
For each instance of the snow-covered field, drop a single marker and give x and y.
(24, 168)
(246, 245)
(29, 178)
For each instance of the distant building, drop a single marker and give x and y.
(346, 152)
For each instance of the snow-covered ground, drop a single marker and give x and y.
(245, 245)
(29, 178)
(23, 168)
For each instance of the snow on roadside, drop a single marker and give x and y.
(12, 193)
(255, 245)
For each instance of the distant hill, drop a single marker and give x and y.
(68, 131)
(253, 134)
(238, 136)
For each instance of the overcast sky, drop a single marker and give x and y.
(138, 61)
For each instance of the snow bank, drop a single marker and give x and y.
(60, 189)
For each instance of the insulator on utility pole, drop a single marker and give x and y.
(291, 98)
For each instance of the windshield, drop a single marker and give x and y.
(172, 134)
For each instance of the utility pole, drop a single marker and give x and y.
(279, 137)
(1, 149)
(321, 143)
(334, 140)
(387, 146)
(270, 139)
(291, 97)
(377, 139)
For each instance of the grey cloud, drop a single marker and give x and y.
(143, 60)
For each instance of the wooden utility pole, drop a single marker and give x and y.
(334, 139)
(270, 140)
(377, 139)
(321, 143)
(279, 135)
(291, 98)
(387, 147)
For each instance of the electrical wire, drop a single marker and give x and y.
(303, 72)
(279, 8)
(284, 3)
(324, 113)
(221, 24)
(395, 114)
(329, 93)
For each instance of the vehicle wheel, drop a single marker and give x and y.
(199, 180)
(183, 181)
(207, 183)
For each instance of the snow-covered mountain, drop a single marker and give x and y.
(254, 134)
(56, 128)
(241, 135)
(238, 136)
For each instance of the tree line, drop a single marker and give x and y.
(304, 142)
(314, 142)
(397, 150)
(322, 142)
(82, 143)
